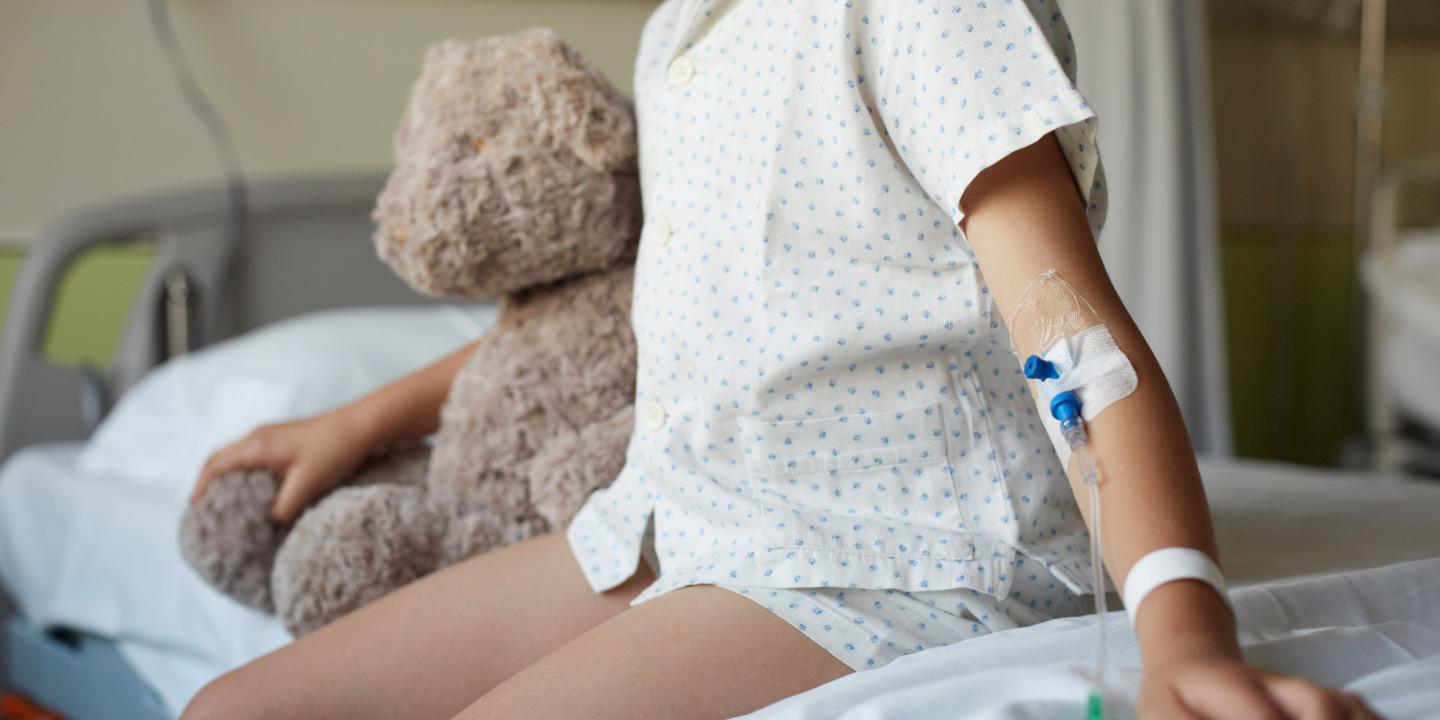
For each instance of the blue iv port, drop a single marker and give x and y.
(1038, 368)
(1065, 407)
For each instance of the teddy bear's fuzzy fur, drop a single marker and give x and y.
(540, 148)
(515, 178)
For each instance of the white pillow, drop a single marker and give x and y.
(167, 424)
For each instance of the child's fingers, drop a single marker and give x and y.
(1232, 695)
(199, 491)
(225, 460)
(1167, 705)
(1358, 709)
(247, 453)
(1308, 701)
(218, 464)
(294, 494)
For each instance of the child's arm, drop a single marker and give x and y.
(1024, 216)
(313, 455)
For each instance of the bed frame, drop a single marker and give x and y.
(306, 247)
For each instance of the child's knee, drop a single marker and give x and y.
(233, 696)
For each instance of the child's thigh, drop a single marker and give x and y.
(698, 652)
(429, 648)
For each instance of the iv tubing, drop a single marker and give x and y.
(1086, 465)
(1065, 407)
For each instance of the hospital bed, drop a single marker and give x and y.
(1401, 273)
(112, 624)
(306, 248)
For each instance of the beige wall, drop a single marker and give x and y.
(89, 110)
(1284, 121)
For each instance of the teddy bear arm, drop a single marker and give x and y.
(353, 547)
(230, 539)
(573, 465)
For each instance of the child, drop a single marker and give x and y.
(836, 460)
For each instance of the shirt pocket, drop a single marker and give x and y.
(876, 484)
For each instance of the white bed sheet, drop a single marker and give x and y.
(101, 555)
(1374, 632)
(1287, 536)
(89, 533)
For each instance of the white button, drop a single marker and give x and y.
(655, 416)
(682, 69)
(662, 231)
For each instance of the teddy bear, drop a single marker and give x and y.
(515, 178)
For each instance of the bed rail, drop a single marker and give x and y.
(306, 247)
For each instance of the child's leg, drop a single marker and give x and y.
(698, 652)
(430, 648)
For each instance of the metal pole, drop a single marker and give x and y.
(1369, 116)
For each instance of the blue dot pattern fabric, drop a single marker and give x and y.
(826, 395)
(866, 629)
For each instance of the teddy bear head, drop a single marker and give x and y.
(515, 166)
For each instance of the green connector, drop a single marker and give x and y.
(1095, 709)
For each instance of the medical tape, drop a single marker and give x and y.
(1092, 366)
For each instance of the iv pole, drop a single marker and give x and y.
(1365, 325)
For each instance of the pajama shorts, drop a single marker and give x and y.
(866, 629)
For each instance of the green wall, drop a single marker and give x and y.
(10, 259)
(1300, 409)
(94, 301)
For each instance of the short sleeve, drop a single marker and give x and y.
(960, 85)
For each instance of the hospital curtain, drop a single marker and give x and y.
(1144, 66)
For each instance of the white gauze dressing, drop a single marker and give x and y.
(1055, 322)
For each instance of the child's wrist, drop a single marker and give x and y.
(362, 423)
(1186, 621)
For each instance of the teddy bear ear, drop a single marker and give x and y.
(597, 123)
(603, 136)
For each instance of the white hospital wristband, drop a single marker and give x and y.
(1168, 564)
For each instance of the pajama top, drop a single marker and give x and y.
(826, 394)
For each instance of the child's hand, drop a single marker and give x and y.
(1229, 690)
(312, 456)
